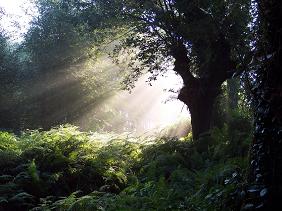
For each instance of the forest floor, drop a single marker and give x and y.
(65, 169)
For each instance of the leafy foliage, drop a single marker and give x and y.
(65, 169)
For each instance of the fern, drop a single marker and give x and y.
(65, 169)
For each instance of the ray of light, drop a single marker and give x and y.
(143, 110)
(146, 109)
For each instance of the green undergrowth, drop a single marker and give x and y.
(65, 169)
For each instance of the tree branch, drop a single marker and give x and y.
(182, 62)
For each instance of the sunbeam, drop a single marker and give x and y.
(145, 110)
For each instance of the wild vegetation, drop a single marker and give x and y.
(78, 54)
(65, 169)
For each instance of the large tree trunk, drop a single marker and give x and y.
(200, 100)
(201, 115)
(265, 176)
(199, 93)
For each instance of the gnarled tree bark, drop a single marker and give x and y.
(199, 94)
